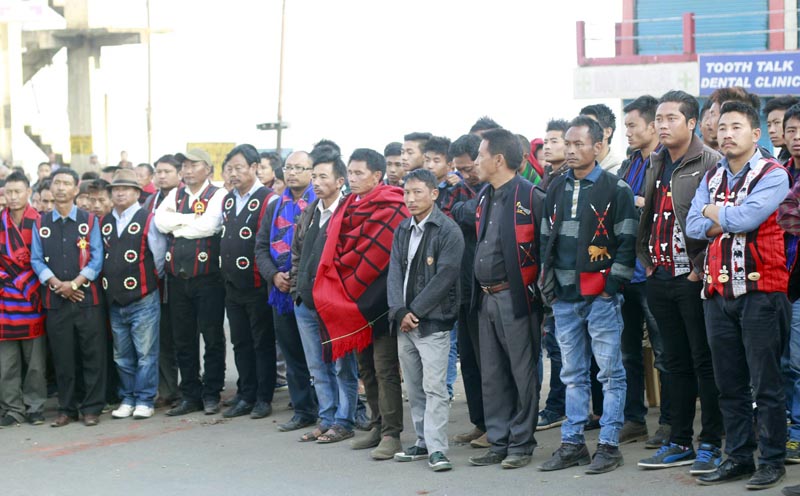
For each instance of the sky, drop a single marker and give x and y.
(362, 73)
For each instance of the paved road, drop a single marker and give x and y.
(204, 455)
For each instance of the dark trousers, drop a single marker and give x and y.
(79, 331)
(197, 308)
(379, 368)
(678, 310)
(297, 375)
(468, 352)
(167, 362)
(556, 398)
(253, 338)
(509, 354)
(747, 336)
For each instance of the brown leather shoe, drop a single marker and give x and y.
(62, 420)
(90, 420)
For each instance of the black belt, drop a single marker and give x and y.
(495, 288)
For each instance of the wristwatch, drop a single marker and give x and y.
(74, 286)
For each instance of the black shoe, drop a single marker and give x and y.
(36, 418)
(766, 476)
(239, 409)
(8, 420)
(211, 407)
(489, 458)
(233, 400)
(605, 459)
(261, 409)
(567, 455)
(516, 460)
(296, 423)
(593, 423)
(183, 408)
(791, 491)
(728, 471)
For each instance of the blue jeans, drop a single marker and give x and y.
(791, 372)
(135, 328)
(582, 329)
(452, 370)
(336, 384)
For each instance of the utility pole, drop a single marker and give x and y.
(280, 125)
(149, 88)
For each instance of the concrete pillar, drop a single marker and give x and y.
(79, 107)
(11, 126)
(790, 25)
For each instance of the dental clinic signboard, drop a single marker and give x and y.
(766, 74)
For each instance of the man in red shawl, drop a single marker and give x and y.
(350, 293)
(23, 389)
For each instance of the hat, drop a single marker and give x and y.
(124, 177)
(195, 155)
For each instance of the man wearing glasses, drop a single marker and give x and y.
(191, 216)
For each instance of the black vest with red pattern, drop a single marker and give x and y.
(193, 257)
(129, 271)
(237, 247)
(739, 263)
(65, 248)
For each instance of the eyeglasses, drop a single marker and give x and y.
(297, 169)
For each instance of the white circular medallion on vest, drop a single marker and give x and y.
(131, 256)
(202, 256)
(243, 263)
(245, 233)
(44, 232)
(86, 284)
(105, 283)
(130, 283)
(253, 205)
(107, 229)
(168, 257)
(134, 228)
(229, 204)
(83, 229)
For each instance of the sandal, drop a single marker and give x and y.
(334, 435)
(311, 435)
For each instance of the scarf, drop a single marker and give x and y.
(350, 288)
(284, 219)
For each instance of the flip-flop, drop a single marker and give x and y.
(310, 436)
(334, 435)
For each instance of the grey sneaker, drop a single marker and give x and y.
(605, 459)
(632, 432)
(439, 462)
(792, 451)
(660, 438)
(708, 458)
(386, 448)
(411, 454)
(549, 420)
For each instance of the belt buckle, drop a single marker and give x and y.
(487, 289)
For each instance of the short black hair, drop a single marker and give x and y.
(484, 123)
(168, 159)
(145, 165)
(504, 142)
(375, 161)
(420, 138)
(525, 144)
(422, 175)
(278, 171)
(467, 144)
(328, 155)
(249, 152)
(274, 158)
(393, 149)
(706, 106)
(17, 177)
(557, 125)
(688, 105)
(110, 169)
(646, 105)
(69, 172)
(742, 108)
(605, 116)
(100, 185)
(43, 163)
(595, 129)
(89, 176)
(792, 112)
(44, 185)
(735, 94)
(437, 144)
(328, 143)
(780, 103)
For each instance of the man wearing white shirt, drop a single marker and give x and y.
(191, 216)
(336, 383)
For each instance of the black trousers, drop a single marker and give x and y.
(469, 356)
(747, 336)
(379, 368)
(297, 375)
(678, 310)
(253, 338)
(197, 308)
(75, 331)
(167, 362)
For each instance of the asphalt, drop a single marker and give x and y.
(208, 455)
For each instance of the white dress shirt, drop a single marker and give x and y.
(191, 226)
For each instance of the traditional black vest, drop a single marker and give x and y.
(237, 246)
(129, 271)
(193, 257)
(65, 247)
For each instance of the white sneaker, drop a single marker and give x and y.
(143, 412)
(124, 411)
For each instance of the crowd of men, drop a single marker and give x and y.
(489, 249)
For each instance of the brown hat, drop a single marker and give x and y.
(124, 177)
(195, 155)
